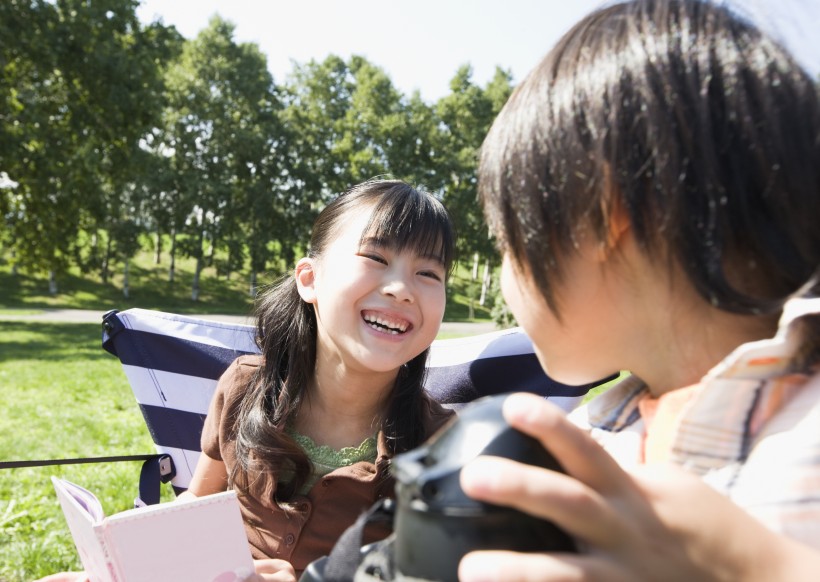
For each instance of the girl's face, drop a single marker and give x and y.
(376, 308)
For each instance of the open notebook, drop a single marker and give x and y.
(198, 540)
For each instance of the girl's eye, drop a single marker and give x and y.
(431, 275)
(374, 257)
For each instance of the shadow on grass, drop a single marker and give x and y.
(26, 340)
(149, 289)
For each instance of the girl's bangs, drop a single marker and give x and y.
(413, 222)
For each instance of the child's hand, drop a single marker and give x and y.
(659, 523)
(272, 570)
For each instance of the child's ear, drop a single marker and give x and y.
(305, 280)
(617, 222)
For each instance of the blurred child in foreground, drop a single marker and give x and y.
(654, 187)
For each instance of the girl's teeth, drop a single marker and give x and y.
(386, 326)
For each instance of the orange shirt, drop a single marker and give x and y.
(661, 418)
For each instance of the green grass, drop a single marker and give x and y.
(62, 396)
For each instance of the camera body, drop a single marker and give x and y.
(435, 523)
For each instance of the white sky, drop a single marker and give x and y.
(421, 43)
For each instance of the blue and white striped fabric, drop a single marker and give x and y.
(173, 363)
(462, 369)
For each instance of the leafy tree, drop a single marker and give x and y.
(411, 139)
(124, 235)
(317, 99)
(265, 204)
(34, 122)
(352, 124)
(76, 95)
(109, 129)
(347, 123)
(315, 122)
(375, 107)
(129, 171)
(219, 128)
(465, 117)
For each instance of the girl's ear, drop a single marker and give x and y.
(305, 280)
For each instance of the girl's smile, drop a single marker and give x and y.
(386, 323)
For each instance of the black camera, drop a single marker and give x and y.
(435, 524)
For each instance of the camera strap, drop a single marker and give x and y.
(346, 556)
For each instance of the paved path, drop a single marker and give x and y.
(92, 316)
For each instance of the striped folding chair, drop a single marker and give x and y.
(173, 363)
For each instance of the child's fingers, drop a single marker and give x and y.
(518, 567)
(273, 570)
(574, 507)
(578, 453)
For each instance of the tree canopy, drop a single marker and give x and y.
(112, 131)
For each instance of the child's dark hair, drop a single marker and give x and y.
(703, 129)
(402, 218)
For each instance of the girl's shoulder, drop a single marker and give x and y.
(239, 374)
(435, 415)
(251, 361)
(245, 364)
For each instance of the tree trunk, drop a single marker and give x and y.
(52, 282)
(485, 282)
(211, 252)
(195, 285)
(104, 266)
(472, 289)
(125, 289)
(158, 254)
(173, 254)
(95, 248)
(200, 259)
(252, 290)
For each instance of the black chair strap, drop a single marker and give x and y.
(156, 469)
(75, 461)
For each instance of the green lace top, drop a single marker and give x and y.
(326, 459)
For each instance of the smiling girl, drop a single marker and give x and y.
(304, 432)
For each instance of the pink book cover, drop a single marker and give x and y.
(196, 540)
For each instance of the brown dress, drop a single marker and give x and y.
(310, 524)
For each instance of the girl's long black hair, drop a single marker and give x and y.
(402, 217)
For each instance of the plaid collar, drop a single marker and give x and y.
(715, 428)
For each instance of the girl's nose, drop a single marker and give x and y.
(398, 289)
